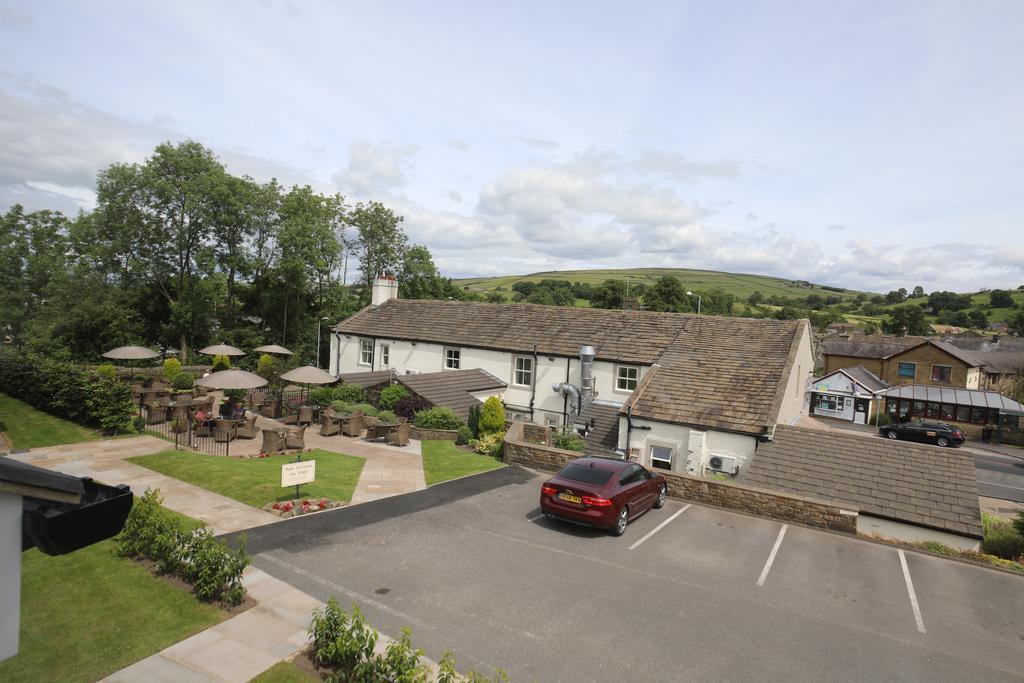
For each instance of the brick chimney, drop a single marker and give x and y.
(385, 288)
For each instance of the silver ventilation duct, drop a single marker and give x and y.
(573, 393)
(587, 354)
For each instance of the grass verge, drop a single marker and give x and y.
(257, 481)
(442, 461)
(284, 672)
(27, 427)
(90, 613)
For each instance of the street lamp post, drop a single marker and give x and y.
(320, 320)
(698, 300)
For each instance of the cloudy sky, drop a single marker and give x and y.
(868, 145)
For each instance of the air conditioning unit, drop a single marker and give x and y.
(724, 463)
(410, 371)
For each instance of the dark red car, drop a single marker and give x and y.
(602, 492)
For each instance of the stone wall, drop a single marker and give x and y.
(724, 494)
(433, 434)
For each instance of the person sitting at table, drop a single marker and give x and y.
(225, 409)
(201, 417)
(237, 411)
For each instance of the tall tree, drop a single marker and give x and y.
(381, 243)
(609, 294)
(667, 294)
(908, 319)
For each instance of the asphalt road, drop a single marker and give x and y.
(999, 476)
(471, 566)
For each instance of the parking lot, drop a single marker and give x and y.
(689, 592)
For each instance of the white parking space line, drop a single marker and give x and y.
(771, 556)
(535, 517)
(911, 593)
(659, 527)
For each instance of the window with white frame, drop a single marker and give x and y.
(366, 352)
(523, 375)
(661, 457)
(452, 358)
(552, 422)
(385, 355)
(626, 377)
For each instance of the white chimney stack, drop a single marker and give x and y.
(385, 288)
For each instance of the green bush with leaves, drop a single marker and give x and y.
(172, 368)
(1001, 538)
(221, 362)
(1018, 523)
(489, 444)
(883, 419)
(474, 421)
(321, 396)
(364, 408)
(464, 435)
(492, 417)
(106, 371)
(341, 407)
(391, 395)
(350, 393)
(437, 418)
(386, 416)
(183, 381)
(569, 440)
(265, 366)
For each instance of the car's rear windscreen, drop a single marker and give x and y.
(587, 475)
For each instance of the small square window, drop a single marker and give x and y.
(366, 352)
(907, 370)
(452, 358)
(661, 457)
(626, 378)
(941, 373)
(523, 375)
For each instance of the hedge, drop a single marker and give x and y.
(67, 390)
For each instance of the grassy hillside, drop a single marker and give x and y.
(739, 284)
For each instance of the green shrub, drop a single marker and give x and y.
(322, 396)
(365, 409)
(265, 365)
(464, 435)
(401, 662)
(350, 393)
(386, 416)
(341, 407)
(106, 371)
(1004, 542)
(474, 420)
(172, 368)
(213, 569)
(1018, 523)
(110, 404)
(489, 444)
(235, 395)
(139, 423)
(492, 417)
(343, 641)
(184, 380)
(437, 418)
(569, 440)
(884, 419)
(390, 395)
(220, 362)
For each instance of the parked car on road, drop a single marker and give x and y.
(938, 433)
(602, 492)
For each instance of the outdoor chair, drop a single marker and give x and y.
(273, 441)
(352, 426)
(295, 438)
(202, 428)
(330, 423)
(305, 416)
(291, 416)
(270, 409)
(225, 430)
(248, 429)
(399, 436)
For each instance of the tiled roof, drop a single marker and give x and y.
(968, 358)
(367, 379)
(603, 437)
(452, 388)
(865, 378)
(717, 372)
(634, 336)
(868, 345)
(906, 482)
(956, 396)
(722, 373)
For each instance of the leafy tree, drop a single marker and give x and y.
(667, 294)
(918, 292)
(1000, 298)
(494, 297)
(221, 363)
(381, 243)
(756, 298)
(1016, 323)
(524, 287)
(948, 301)
(896, 297)
(978, 318)
(609, 294)
(910, 318)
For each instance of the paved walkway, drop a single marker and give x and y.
(105, 461)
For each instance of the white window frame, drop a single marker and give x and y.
(363, 342)
(385, 355)
(619, 378)
(551, 423)
(516, 370)
(671, 455)
(457, 358)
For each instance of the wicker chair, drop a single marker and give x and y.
(352, 426)
(270, 409)
(273, 441)
(225, 430)
(330, 423)
(248, 429)
(295, 438)
(305, 415)
(291, 415)
(399, 436)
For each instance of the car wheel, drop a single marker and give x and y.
(942, 441)
(892, 434)
(621, 522)
(662, 495)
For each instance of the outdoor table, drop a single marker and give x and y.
(380, 430)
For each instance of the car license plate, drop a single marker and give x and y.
(569, 498)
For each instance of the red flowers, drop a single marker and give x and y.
(322, 504)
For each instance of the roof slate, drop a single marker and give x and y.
(868, 346)
(603, 437)
(367, 379)
(906, 482)
(956, 396)
(452, 388)
(865, 377)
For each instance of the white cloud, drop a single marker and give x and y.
(376, 168)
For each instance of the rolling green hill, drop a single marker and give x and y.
(739, 284)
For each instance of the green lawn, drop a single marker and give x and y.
(90, 613)
(443, 461)
(257, 481)
(27, 427)
(284, 672)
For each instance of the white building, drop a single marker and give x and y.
(688, 390)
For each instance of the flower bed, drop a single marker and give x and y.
(301, 506)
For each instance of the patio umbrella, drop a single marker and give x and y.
(231, 379)
(131, 353)
(307, 374)
(222, 350)
(273, 348)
